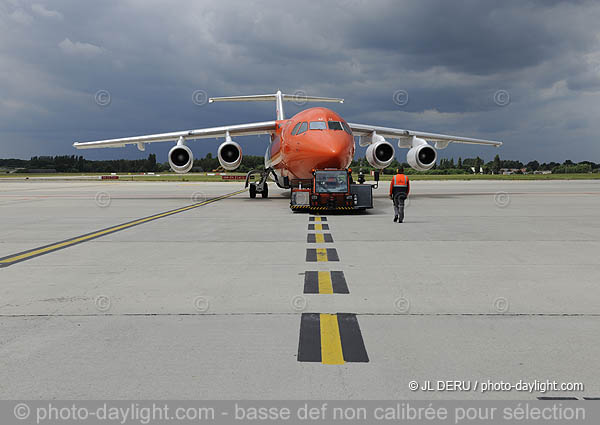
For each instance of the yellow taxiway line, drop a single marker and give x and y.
(15, 258)
(331, 343)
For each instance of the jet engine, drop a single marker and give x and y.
(230, 155)
(181, 159)
(380, 154)
(421, 156)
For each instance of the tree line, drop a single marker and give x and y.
(78, 164)
(467, 165)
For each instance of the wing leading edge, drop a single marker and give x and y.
(398, 133)
(266, 127)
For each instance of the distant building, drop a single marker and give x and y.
(509, 171)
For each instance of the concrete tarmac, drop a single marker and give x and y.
(484, 281)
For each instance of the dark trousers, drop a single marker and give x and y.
(399, 199)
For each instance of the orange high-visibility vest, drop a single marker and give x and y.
(399, 181)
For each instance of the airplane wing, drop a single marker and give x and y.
(266, 127)
(441, 140)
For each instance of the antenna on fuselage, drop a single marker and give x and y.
(278, 97)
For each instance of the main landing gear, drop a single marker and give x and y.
(261, 187)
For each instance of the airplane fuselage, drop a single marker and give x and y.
(315, 138)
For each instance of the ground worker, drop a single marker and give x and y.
(399, 188)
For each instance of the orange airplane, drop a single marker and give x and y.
(316, 138)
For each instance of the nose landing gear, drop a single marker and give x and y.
(254, 189)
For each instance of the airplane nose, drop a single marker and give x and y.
(337, 146)
(335, 152)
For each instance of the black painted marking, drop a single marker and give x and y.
(106, 231)
(309, 346)
(557, 398)
(591, 398)
(311, 282)
(311, 226)
(312, 238)
(332, 255)
(353, 345)
(313, 219)
(338, 282)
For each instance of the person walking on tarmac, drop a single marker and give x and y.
(399, 188)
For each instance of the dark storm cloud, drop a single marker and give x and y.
(476, 37)
(452, 58)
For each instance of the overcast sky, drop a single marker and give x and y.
(524, 72)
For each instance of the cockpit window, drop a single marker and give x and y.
(296, 129)
(318, 125)
(334, 125)
(347, 128)
(303, 128)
